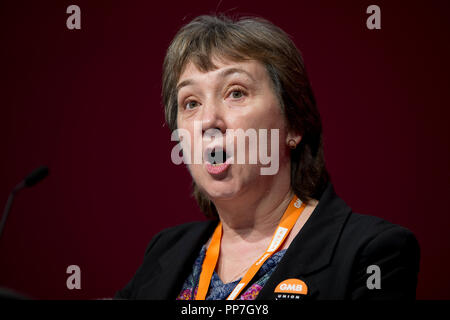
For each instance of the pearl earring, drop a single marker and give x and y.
(292, 144)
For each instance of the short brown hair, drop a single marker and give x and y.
(255, 38)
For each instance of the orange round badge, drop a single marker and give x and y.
(292, 286)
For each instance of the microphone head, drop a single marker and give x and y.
(36, 176)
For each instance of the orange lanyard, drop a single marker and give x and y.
(287, 222)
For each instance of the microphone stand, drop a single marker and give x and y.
(33, 178)
(8, 205)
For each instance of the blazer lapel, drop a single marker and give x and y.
(313, 246)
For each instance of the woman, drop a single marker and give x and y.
(282, 235)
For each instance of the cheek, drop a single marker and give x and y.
(267, 117)
(274, 121)
(274, 116)
(265, 113)
(186, 135)
(196, 171)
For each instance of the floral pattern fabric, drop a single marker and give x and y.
(219, 290)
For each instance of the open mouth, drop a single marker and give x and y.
(216, 156)
(217, 161)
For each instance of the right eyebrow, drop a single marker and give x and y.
(185, 83)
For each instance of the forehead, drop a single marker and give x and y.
(252, 69)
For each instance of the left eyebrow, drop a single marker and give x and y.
(223, 74)
(227, 72)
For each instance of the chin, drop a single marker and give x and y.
(220, 190)
(228, 187)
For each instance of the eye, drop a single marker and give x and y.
(191, 105)
(236, 94)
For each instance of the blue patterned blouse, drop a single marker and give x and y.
(219, 290)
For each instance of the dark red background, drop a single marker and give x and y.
(87, 104)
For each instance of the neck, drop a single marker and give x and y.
(253, 217)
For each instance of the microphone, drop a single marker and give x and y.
(29, 181)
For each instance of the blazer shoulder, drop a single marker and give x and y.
(367, 228)
(178, 234)
(391, 249)
(175, 244)
(181, 229)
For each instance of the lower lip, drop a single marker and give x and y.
(217, 169)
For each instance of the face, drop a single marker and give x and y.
(236, 95)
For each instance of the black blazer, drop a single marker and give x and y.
(331, 254)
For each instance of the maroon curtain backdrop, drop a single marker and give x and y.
(87, 104)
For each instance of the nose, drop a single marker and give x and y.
(212, 117)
